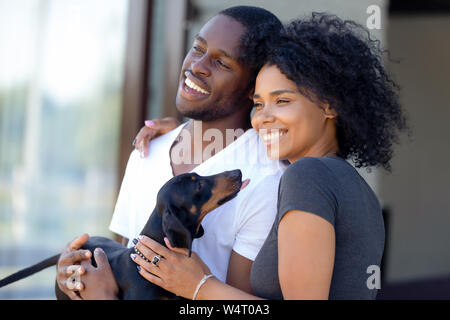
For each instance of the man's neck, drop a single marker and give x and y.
(206, 139)
(223, 125)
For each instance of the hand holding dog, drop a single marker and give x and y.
(69, 263)
(98, 282)
(175, 272)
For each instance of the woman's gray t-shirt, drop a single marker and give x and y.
(332, 189)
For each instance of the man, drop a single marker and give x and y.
(214, 89)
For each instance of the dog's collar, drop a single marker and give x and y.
(140, 254)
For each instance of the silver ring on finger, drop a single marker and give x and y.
(73, 283)
(155, 260)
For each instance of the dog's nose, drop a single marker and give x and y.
(234, 174)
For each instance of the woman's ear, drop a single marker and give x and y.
(329, 112)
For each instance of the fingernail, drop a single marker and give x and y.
(142, 154)
(167, 242)
(133, 256)
(138, 268)
(149, 123)
(134, 142)
(135, 241)
(141, 237)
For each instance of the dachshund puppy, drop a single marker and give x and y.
(181, 205)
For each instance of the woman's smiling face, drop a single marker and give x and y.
(290, 124)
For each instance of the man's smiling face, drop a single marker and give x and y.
(213, 84)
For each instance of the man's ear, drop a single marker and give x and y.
(178, 235)
(251, 92)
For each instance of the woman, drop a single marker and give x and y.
(322, 97)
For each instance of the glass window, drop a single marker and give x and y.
(61, 79)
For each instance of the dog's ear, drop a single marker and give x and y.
(200, 232)
(179, 236)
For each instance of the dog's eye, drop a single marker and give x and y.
(199, 186)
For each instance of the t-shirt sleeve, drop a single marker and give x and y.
(120, 222)
(308, 185)
(257, 215)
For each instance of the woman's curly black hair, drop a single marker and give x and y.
(337, 62)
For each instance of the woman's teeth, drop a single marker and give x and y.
(272, 136)
(195, 87)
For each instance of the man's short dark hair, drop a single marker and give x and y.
(251, 17)
(262, 28)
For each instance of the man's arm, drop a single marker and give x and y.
(255, 221)
(120, 222)
(120, 239)
(238, 274)
(102, 284)
(119, 225)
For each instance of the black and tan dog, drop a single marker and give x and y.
(181, 205)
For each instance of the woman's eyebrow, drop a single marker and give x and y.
(275, 93)
(278, 92)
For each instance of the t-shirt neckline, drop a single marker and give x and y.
(218, 155)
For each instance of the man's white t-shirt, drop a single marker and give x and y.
(242, 224)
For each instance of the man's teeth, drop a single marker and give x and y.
(195, 87)
(272, 135)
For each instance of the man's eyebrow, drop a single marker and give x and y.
(226, 54)
(275, 93)
(223, 52)
(200, 38)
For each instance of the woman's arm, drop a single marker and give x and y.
(306, 246)
(306, 250)
(178, 273)
(214, 289)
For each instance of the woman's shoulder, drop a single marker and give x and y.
(327, 175)
(320, 165)
(331, 173)
(314, 167)
(322, 185)
(310, 184)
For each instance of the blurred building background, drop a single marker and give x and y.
(78, 78)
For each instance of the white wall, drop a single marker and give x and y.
(418, 191)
